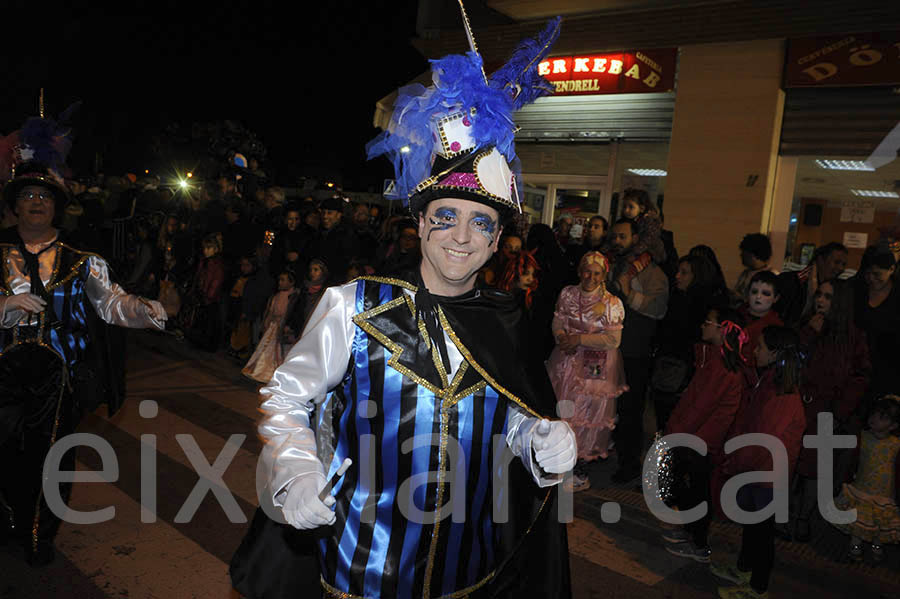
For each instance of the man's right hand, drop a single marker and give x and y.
(302, 507)
(27, 302)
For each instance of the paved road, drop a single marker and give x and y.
(203, 397)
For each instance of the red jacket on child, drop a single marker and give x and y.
(708, 406)
(754, 331)
(780, 416)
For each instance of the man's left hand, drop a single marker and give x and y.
(554, 446)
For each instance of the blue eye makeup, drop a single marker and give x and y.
(485, 225)
(443, 219)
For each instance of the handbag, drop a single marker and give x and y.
(669, 374)
(169, 297)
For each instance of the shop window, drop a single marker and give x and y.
(843, 199)
(641, 165)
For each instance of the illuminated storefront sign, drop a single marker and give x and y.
(614, 73)
(853, 59)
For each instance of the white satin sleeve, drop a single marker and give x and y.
(316, 364)
(112, 303)
(519, 436)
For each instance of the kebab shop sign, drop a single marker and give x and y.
(615, 73)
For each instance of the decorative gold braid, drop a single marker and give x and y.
(471, 360)
(35, 524)
(73, 272)
(467, 392)
(394, 348)
(432, 182)
(446, 147)
(333, 592)
(439, 502)
(389, 281)
(438, 362)
(7, 289)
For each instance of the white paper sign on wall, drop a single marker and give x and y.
(856, 240)
(857, 211)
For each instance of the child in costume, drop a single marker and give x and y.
(520, 278)
(585, 366)
(759, 310)
(873, 492)
(706, 409)
(773, 407)
(269, 353)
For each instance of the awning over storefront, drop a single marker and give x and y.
(838, 121)
(597, 118)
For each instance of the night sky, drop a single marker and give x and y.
(305, 84)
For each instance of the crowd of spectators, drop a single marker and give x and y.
(628, 322)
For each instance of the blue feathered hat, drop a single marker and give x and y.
(456, 138)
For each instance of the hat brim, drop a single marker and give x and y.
(420, 201)
(12, 189)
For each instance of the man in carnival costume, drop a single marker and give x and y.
(51, 296)
(426, 384)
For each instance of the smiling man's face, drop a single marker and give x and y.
(457, 238)
(35, 206)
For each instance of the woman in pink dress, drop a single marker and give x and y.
(585, 366)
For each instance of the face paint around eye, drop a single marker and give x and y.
(443, 219)
(485, 225)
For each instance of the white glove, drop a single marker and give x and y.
(554, 446)
(26, 302)
(155, 310)
(302, 507)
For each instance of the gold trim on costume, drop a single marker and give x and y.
(394, 348)
(438, 502)
(387, 280)
(467, 355)
(448, 153)
(7, 288)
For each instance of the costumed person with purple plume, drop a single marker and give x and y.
(425, 384)
(52, 299)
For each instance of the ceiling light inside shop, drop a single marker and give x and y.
(647, 172)
(874, 193)
(845, 165)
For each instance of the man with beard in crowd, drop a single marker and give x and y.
(646, 297)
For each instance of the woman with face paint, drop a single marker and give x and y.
(585, 367)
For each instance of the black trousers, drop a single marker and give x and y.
(693, 472)
(33, 415)
(758, 540)
(629, 432)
